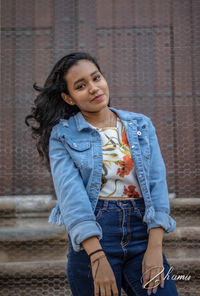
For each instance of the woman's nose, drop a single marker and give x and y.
(92, 87)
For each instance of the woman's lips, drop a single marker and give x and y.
(99, 98)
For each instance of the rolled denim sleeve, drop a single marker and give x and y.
(74, 204)
(158, 187)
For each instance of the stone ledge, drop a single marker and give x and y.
(184, 202)
(192, 265)
(32, 234)
(27, 204)
(183, 233)
(21, 198)
(44, 203)
(48, 231)
(33, 269)
(58, 268)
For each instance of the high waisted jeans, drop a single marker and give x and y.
(124, 241)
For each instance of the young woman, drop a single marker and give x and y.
(110, 181)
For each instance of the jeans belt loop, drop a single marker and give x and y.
(105, 205)
(133, 203)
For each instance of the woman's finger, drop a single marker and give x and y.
(151, 282)
(159, 278)
(149, 279)
(114, 289)
(146, 277)
(103, 291)
(96, 290)
(162, 279)
(107, 290)
(155, 278)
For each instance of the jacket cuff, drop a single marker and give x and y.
(79, 233)
(164, 220)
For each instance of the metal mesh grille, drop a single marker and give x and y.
(149, 53)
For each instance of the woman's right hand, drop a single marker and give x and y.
(104, 278)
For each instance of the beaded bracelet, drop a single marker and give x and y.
(99, 250)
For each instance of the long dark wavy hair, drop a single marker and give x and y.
(49, 107)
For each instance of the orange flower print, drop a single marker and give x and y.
(124, 138)
(130, 192)
(125, 166)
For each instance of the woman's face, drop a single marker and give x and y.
(85, 82)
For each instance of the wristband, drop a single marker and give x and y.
(99, 250)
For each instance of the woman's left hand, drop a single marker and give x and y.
(152, 269)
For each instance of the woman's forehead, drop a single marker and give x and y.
(80, 70)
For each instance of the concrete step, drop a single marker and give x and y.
(33, 252)
(49, 277)
(53, 268)
(34, 278)
(26, 234)
(183, 242)
(184, 209)
(33, 240)
(42, 241)
(25, 206)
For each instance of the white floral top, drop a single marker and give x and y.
(118, 174)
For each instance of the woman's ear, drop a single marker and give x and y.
(67, 98)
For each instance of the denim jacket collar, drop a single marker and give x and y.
(81, 123)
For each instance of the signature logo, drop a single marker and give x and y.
(175, 277)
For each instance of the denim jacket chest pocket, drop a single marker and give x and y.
(143, 139)
(79, 151)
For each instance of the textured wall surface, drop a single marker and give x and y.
(149, 52)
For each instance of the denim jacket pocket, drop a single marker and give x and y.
(79, 151)
(78, 145)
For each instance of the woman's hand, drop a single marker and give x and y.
(104, 279)
(103, 276)
(152, 269)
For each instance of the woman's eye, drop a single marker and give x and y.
(80, 86)
(97, 77)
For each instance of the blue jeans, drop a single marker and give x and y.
(124, 241)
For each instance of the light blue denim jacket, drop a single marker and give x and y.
(75, 153)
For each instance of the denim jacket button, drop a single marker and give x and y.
(132, 146)
(139, 133)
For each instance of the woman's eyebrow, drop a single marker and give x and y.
(81, 79)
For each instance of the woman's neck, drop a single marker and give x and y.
(103, 118)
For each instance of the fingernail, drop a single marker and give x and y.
(154, 291)
(149, 293)
(162, 285)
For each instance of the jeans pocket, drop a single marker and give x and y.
(140, 211)
(98, 213)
